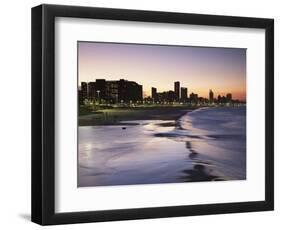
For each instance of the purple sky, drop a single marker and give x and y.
(198, 68)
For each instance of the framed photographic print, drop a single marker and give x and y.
(142, 114)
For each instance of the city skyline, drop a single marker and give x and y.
(199, 69)
(123, 90)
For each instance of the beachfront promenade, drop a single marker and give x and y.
(113, 116)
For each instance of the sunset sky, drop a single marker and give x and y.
(198, 68)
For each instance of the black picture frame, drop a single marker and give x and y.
(43, 114)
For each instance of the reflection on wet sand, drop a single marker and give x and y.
(193, 154)
(201, 170)
(199, 173)
(192, 149)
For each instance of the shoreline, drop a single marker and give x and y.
(116, 116)
(188, 156)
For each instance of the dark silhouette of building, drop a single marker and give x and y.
(222, 99)
(111, 91)
(167, 96)
(148, 100)
(129, 91)
(91, 90)
(124, 91)
(229, 97)
(211, 96)
(100, 87)
(80, 97)
(135, 92)
(202, 100)
(225, 99)
(84, 91)
(183, 94)
(154, 94)
(177, 90)
(112, 88)
(193, 97)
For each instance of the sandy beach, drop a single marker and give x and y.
(207, 144)
(116, 115)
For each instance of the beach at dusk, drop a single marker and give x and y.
(116, 116)
(152, 114)
(197, 147)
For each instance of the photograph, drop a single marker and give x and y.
(139, 113)
(151, 114)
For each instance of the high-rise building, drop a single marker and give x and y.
(154, 94)
(211, 96)
(111, 91)
(100, 88)
(183, 94)
(91, 90)
(177, 90)
(134, 92)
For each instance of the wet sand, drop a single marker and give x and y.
(203, 145)
(115, 116)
